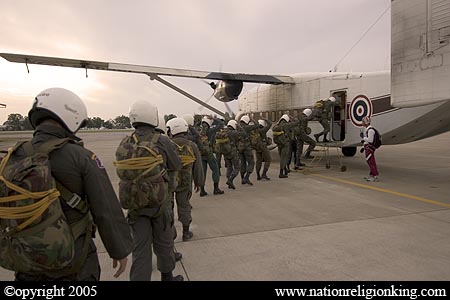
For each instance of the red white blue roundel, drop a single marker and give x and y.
(360, 107)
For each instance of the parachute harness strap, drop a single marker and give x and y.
(186, 159)
(147, 163)
(32, 211)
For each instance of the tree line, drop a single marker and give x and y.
(17, 122)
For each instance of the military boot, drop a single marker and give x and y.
(264, 175)
(325, 140)
(258, 176)
(247, 179)
(317, 136)
(282, 175)
(242, 177)
(217, 191)
(187, 234)
(169, 277)
(203, 192)
(230, 183)
(308, 155)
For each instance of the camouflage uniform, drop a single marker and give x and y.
(232, 161)
(81, 172)
(190, 172)
(302, 138)
(246, 152)
(324, 117)
(292, 147)
(262, 153)
(207, 135)
(281, 138)
(154, 225)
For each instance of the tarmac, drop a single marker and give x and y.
(321, 224)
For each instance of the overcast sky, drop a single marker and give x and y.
(244, 36)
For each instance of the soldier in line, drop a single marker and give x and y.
(226, 141)
(192, 171)
(260, 146)
(80, 173)
(292, 147)
(207, 133)
(324, 117)
(245, 149)
(303, 137)
(153, 225)
(192, 134)
(281, 138)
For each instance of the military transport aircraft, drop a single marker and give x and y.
(409, 103)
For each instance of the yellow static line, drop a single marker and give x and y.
(384, 190)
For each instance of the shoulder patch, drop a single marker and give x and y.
(97, 161)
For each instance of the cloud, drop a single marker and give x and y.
(252, 36)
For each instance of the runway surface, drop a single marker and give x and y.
(323, 224)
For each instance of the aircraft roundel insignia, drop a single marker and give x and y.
(360, 107)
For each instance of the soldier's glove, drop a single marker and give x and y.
(361, 150)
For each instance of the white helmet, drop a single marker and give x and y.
(161, 124)
(189, 119)
(332, 99)
(177, 125)
(207, 121)
(284, 117)
(143, 112)
(307, 111)
(262, 122)
(61, 105)
(232, 124)
(245, 119)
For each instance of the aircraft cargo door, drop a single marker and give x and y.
(420, 58)
(338, 116)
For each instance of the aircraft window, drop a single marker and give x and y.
(274, 117)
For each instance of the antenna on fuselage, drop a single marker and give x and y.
(357, 42)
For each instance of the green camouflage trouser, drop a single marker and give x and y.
(247, 161)
(182, 197)
(283, 151)
(263, 156)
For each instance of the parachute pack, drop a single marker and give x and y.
(141, 177)
(279, 136)
(34, 234)
(223, 143)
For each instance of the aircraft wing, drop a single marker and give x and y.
(148, 70)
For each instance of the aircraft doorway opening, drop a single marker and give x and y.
(338, 116)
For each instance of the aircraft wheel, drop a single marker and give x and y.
(349, 151)
(343, 168)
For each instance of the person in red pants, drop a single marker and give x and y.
(370, 137)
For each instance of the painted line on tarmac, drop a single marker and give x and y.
(384, 190)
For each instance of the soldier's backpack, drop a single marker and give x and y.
(256, 140)
(142, 182)
(35, 237)
(205, 149)
(223, 143)
(318, 104)
(279, 136)
(377, 142)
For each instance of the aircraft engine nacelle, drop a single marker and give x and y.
(227, 90)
